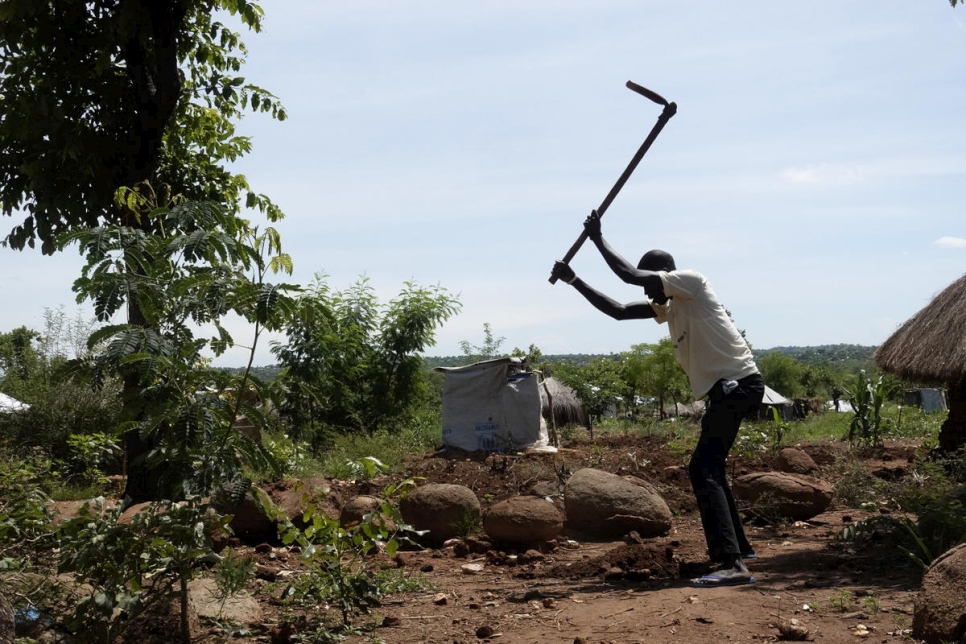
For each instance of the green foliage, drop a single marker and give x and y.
(352, 365)
(20, 363)
(778, 430)
(754, 440)
(90, 454)
(653, 371)
(866, 398)
(840, 357)
(599, 385)
(532, 356)
(930, 520)
(487, 351)
(60, 402)
(940, 522)
(128, 567)
(346, 453)
(205, 264)
(338, 574)
(232, 573)
(68, 405)
(842, 601)
(782, 373)
(913, 422)
(819, 381)
(871, 603)
(292, 457)
(24, 513)
(97, 96)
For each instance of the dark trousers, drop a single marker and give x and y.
(719, 428)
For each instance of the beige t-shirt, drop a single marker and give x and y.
(705, 340)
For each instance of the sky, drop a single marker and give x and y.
(814, 171)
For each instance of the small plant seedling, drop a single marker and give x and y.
(842, 601)
(871, 603)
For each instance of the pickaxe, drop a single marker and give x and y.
(670, 109)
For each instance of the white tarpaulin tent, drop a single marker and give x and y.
(9, 403)
(773, 399)
(493, 406)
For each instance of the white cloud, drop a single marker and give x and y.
(950, 242)
(824, 173)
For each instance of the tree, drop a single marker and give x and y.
(204, 263)
(653, 370)
(95, 96)
(782, 373)
(352, 365)
(488, 350)
(600, 384)
(819, 381)
(89, 95)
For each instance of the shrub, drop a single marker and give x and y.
(67, 408)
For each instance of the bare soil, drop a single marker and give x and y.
(811, 585)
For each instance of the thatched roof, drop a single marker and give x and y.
(567, 408)
(930, 347)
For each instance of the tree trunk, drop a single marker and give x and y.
(952, 435)
(152, 65)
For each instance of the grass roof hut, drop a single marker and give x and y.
(560, 405)
(930, 348)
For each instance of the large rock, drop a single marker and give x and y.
(795, 461)
(294, 496)
(607, 505)
(791, 496)
(444, 509)
(208, 602)
(249, 522)
(940, 609)
(356, 509)
(523, 519)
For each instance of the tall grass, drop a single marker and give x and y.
(422, 433)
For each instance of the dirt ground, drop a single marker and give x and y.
(811, 585)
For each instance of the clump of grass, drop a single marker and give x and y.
(857, 486)
(842, 601)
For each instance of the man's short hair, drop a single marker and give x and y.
(656, 260)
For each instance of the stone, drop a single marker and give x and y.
(446, 510)
(292, 497)
(523, 519)
(358, 507)
(792, 496)
(207, 602)
(940, 607)
(607, 505)
(795, 461)
(249, 523)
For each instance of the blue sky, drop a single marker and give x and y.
(814, 170)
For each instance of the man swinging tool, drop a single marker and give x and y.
(719, 366)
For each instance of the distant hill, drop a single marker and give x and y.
(834, 354)
(838, 355)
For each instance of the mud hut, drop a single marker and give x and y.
(930, 348)
(560, 405)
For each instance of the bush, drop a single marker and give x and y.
(24, 515)
(66, 408)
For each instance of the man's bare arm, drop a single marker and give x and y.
(603, 303)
